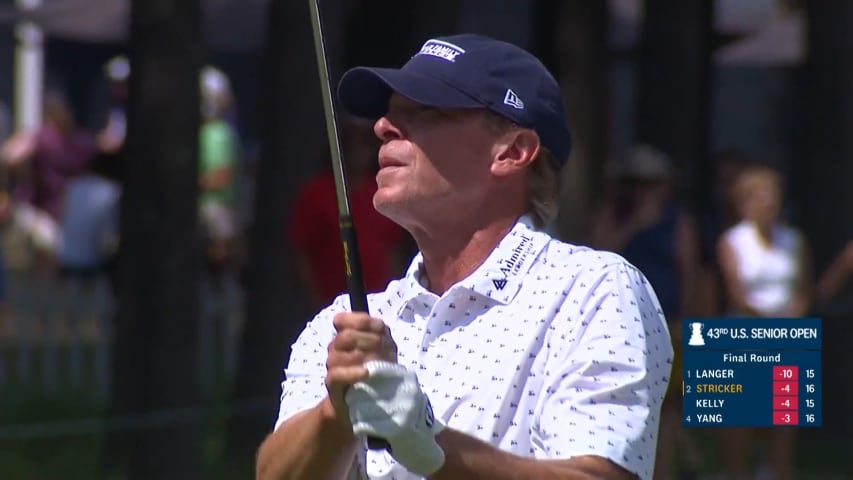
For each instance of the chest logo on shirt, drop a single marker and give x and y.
(516, 258)
(500, 283)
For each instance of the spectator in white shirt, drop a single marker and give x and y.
(533, 358)
(767, 272)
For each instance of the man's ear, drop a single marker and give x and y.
(514, 152)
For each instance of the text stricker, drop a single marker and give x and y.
(719, 388)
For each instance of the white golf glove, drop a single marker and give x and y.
(391, 405)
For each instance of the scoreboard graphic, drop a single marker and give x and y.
(752, 372)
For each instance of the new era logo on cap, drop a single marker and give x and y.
(441, 49)
(511, 99)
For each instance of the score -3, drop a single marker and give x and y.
(790, 418)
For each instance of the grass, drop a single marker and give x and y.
(75, 456)
(63, 436)
(75, 452)
(70, 457)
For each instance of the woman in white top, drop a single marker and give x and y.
(766, 269)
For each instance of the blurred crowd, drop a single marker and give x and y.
(60, 188)
(744, 260)
(60, 185)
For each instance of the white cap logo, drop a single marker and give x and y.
(443, 50)
(511, 99)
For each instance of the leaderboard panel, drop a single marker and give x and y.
(752, 372)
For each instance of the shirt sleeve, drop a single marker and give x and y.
(607, 372)
(304, 378)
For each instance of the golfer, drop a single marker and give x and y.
(502, 353)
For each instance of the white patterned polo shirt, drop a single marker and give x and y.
(547, 350)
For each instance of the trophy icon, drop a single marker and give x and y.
(696, 339)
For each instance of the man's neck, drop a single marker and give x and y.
(453, 252)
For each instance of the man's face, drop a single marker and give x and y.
(432, 162)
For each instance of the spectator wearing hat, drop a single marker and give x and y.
(642, 220)
(218, 167)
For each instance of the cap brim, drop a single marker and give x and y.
(365, 91)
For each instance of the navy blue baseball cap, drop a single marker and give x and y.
(468, 71)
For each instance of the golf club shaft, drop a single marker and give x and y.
(352, 261)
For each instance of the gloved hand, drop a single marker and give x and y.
(391, 405)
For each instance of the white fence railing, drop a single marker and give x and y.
(58, 335)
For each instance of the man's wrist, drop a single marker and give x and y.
(326, 409)
(330, 419)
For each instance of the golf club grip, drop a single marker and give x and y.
(352, 264)
(357, 295)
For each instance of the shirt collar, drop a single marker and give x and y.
(498, 278)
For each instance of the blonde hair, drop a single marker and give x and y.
(543, 189)
(543, 176)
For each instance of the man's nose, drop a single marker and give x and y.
(385, 130)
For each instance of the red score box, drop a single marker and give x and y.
(786, 418)
(785, 372)
(785, 388)
(785, 402)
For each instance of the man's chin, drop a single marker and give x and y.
(390, 204)
(385, 201)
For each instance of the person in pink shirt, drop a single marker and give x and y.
(41, 163)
